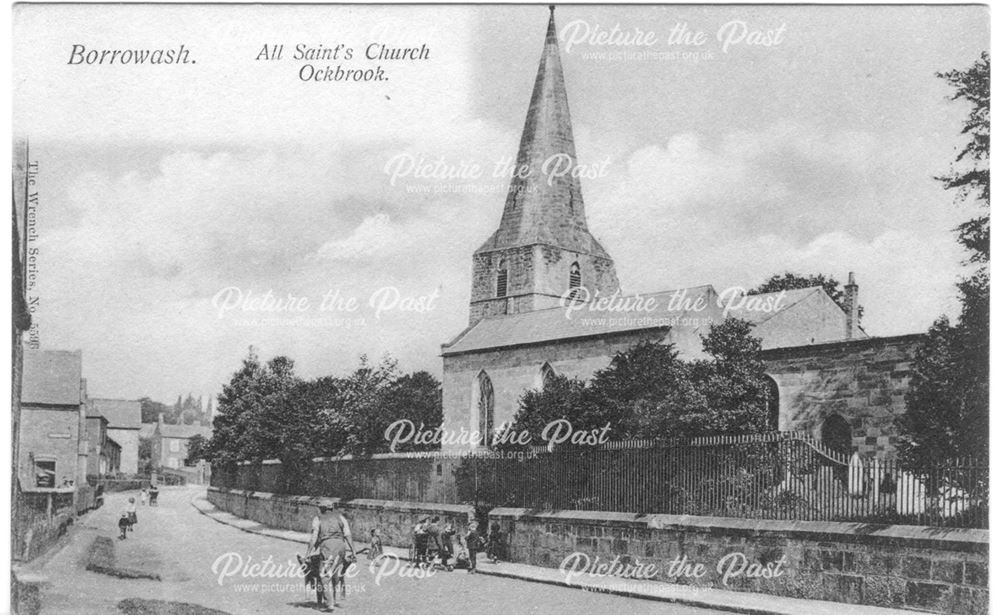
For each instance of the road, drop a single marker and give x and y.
(190, 552)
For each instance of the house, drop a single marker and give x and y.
(124, 418)
(53, 446)
(103, 453)
(170, 443)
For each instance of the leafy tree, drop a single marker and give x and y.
(794, 281)
(196, 449)
(560, 398)
(248, 420)
(947, 405)
(733, 382)
(145, 455)
(151, 410)
(970, 174)
(645, 392)
(648, 392)
(415, 397)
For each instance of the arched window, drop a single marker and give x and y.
(574, 275)
(835, 434)
(548, 374)
(772, 404)
(485, 406)
(502, 279)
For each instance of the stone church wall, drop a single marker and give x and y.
(512, 370)
(864, 381)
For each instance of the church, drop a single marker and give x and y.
(546, 300)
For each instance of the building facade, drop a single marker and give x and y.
(124, 418)
(170, 443)
(53, 421)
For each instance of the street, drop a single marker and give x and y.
(180, 545)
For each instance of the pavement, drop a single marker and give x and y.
(717, 600)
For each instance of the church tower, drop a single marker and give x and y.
(542, 250)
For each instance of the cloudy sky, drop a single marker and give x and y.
(170, 192)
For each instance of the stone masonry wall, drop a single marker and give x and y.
(514, 370)
(940, 570)
(395, 520)
(864, 381)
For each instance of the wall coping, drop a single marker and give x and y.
(308, 500)
(808, 349)
(961, 539)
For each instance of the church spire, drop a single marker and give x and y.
(544, 203)
(542, 251)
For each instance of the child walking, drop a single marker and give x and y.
(132, 517)
(374, 544)
(123, 525)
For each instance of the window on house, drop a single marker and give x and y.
(502, 279)
(175, 446)
(45, 473)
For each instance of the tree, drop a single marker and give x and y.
(648, 392)
(195, 449)
(947, 405)
(970, 174)
(150, 410)
(248, 422)
(145, 455)
(415, 397)
(793, 281)
(559, 398)
(732, 382)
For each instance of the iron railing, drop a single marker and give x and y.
(780, 475)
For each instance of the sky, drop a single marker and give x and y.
(174, 199)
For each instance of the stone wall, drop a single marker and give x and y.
(395, 520)
(864, 381)
(409, 477)
(513, 370)
(941, 570)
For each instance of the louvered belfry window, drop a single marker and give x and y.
(574, 275)
(502, 279)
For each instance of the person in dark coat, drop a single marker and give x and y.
(473, 543)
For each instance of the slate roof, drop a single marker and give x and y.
(791, 298)
(121, 413)
(552, 324)
(549, 325)
(52, 377)
(184, 431)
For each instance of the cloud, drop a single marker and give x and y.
(736, 209)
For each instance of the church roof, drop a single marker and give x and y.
(815, 318)
(790, 299)
(556, 324)
(544, 203)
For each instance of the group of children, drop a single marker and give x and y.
(431, 541)
(129, 518)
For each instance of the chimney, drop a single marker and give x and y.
(851, 295)
(159, 418)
